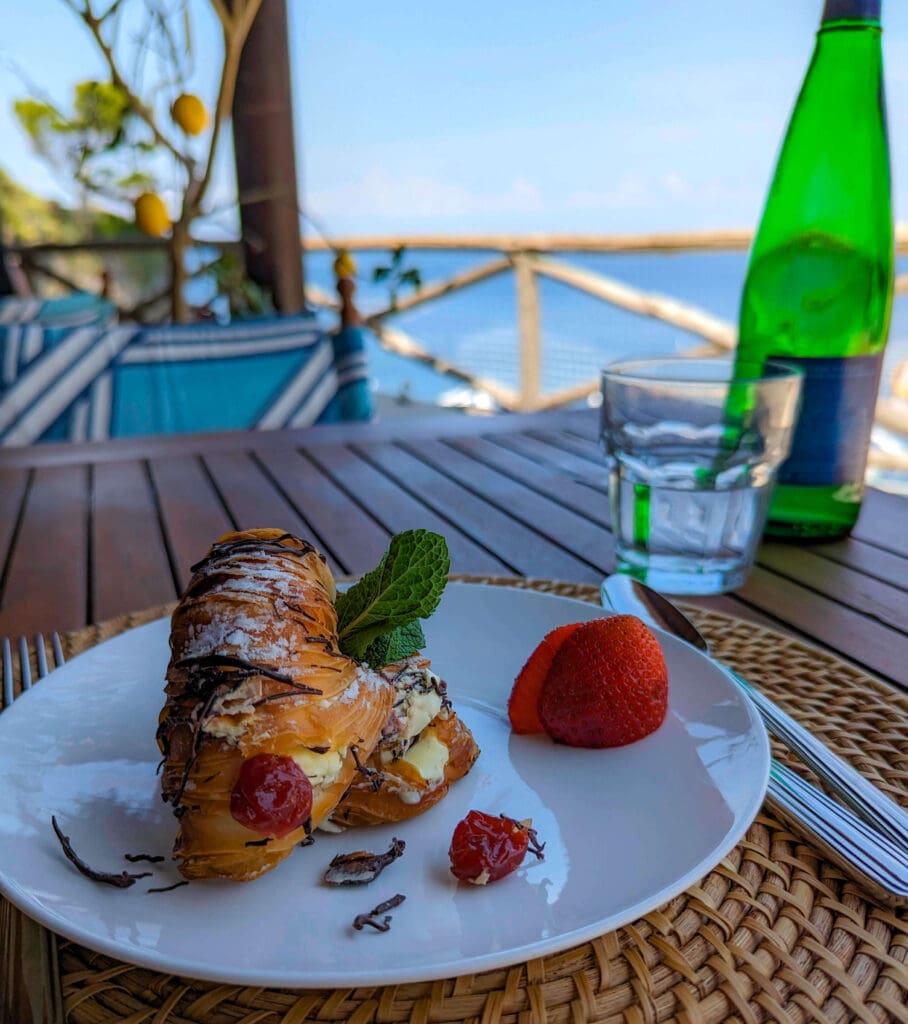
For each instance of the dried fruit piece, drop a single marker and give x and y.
(485, 848)
(523, 705)
(272, 795)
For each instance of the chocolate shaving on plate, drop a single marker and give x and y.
(151, 858)
(123, 880)
(373, 919)
(362, 867)
(170, 888)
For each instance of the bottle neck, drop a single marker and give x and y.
(851, 10)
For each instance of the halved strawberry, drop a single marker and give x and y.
(523, 703)
(607, 685)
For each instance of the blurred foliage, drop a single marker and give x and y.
(127, 136)
(91, 143)
(244, 297)
(28, 219)
(397, 276)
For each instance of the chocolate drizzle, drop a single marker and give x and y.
(199, 663)
(254, 546)
(375, 777)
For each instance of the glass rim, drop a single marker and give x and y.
(627, 371)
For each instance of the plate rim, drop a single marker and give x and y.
(152, 959)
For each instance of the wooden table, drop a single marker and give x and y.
(88, 532)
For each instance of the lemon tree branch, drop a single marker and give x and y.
(94, 24)
(235, 28)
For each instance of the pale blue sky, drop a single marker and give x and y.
(616, 115)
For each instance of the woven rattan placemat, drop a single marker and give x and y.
(772, 933)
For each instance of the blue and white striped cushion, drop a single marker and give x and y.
(77, 310)
(129, 381)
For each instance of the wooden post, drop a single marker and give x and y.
(265, 160)
(528, 332)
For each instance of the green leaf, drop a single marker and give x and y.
(406, 585)
(399, 643)
(381, 274)
(100, 106)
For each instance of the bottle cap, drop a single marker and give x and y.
(852, 10)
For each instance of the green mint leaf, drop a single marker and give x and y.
(399, 643)
(406, 585)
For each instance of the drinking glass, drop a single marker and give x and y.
(693, 451)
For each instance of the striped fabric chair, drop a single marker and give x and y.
(77, 310)
(125, 380)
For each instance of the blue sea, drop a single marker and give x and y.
(476, 328)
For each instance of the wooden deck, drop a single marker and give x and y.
(90, 532)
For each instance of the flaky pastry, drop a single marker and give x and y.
(424, 748)
(255, 670)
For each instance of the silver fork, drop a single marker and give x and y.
(29, 972)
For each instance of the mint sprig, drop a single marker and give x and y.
(386, 603)
(399, 643)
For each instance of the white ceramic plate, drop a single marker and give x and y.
(625, 829)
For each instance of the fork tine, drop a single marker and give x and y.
(7, 673)
(25, 668)
(58, 648)
(42, 655)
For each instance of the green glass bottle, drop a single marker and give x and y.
(818, 290)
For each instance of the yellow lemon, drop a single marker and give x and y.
(189, 113)
(151, 215)
(344, 264)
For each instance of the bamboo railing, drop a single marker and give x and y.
(529, 257)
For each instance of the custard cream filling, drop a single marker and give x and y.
(421, 709)
(428, 756)
(322, 769)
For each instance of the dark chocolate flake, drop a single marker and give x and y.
(151, 858)
(170, 888)
(374, 920)
(375, 777)
(123, 880)
(260, 842)
(362, 867)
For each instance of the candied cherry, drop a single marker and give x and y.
(272, 795)
(485, 848)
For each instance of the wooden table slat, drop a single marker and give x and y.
(357, 540)
(867, 559)
(523, 549)
(578, 536)
(845, 630)
(130, 565)
(13, 484)
(883, 521)
(192, 513)
(397, 509)
(542, 451)
(254, 501)
(554, 484)
(47, 583)
(876, 599)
